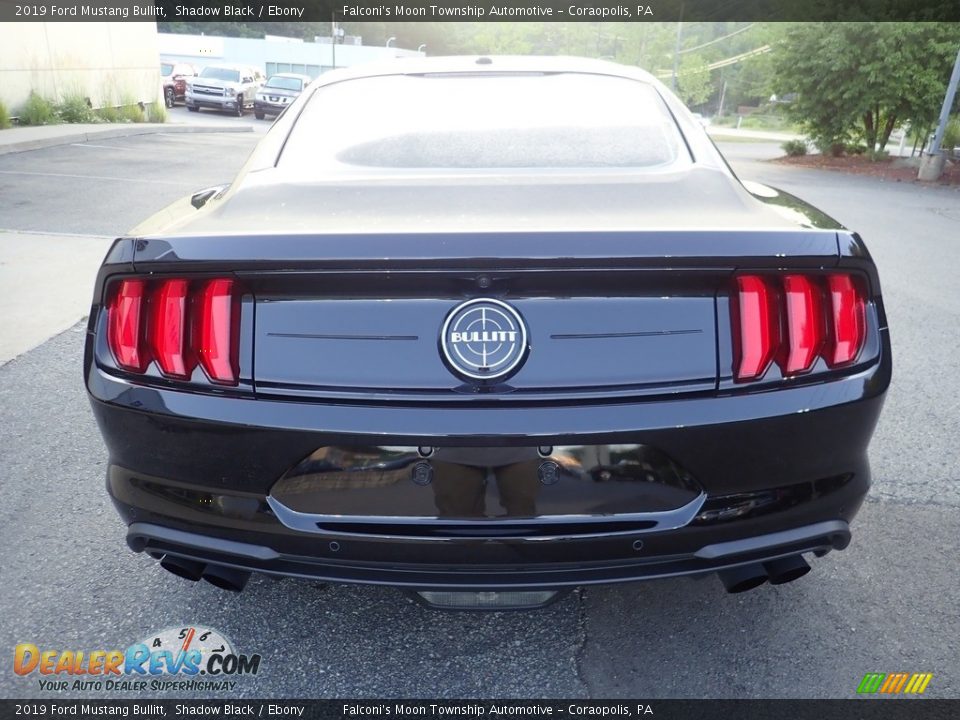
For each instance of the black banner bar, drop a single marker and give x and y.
(862, 709)
(253, 11)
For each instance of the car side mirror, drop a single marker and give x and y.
(199, 199)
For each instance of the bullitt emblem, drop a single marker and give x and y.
(483, 339)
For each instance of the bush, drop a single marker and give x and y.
(156, 112)
(76, 109)
(108, 114)
(795, 148)
(38, 111)
(854, 148)
(877, 155)
(4, 117)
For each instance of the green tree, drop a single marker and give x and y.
(863, 79)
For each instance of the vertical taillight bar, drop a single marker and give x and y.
(168, 328)
(217, 331)
(847, 321)
(124, 327)
(804, 324)
(758, 331)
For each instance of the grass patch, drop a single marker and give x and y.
(4, 117)
(156, 112)
(38, 110)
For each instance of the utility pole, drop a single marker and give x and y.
(931, 167)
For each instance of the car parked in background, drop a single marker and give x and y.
(281, 90)
(228, 88)
(173, 80)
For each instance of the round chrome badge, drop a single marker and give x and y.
(483, 339)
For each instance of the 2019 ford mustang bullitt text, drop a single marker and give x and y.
(487, 329)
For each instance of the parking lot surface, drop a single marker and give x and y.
(888, 603)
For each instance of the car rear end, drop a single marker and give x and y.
(322, 398)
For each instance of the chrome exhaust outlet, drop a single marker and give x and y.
(182, 567)
(226, 578)
(742, 578)
(786, 569)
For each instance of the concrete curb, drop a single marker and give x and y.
(106, 133)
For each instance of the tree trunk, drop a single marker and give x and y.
(887, 129)
(870, 130)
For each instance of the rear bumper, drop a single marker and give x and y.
(530, 572)
(192, 475)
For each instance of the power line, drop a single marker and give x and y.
(719, 39)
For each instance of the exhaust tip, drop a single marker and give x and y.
(226, 578)
(182, 567)
(786, 569)
(743, 578)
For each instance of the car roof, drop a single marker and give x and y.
(299, 76)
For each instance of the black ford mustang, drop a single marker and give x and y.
(487, 329)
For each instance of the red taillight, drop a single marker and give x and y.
(189, 322)
(168, 328)
(124, 327)
(847, 326)
(758, 335)
(216, 349)
(819, 316)
(804, 323)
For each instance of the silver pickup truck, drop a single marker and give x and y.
(228, 88)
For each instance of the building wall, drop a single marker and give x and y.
(271, 54)
(108, 62)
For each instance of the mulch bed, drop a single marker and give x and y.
(890, 170)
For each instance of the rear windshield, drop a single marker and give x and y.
(216, 73)
(474, 122)
(166, 68)
(285, 83)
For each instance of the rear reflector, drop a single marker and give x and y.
(796, 319)
(125, 311)
(758, 327)
(176, 323)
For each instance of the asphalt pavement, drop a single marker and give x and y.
(888, 603)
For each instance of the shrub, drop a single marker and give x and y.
(853, 148)
(4, 117)
(109, 114)
(156, 112)
(877, 155)
(76, 109)
(795, 148)
(38, 111)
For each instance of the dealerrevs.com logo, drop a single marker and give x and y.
(178, 659)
